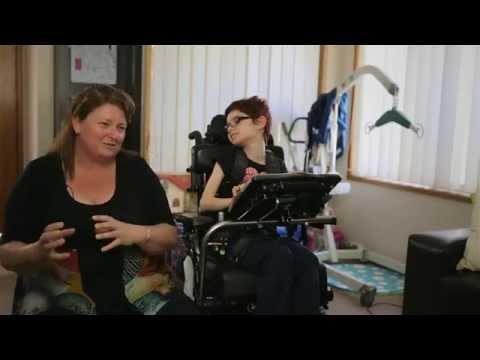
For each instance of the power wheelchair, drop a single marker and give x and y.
(275, 201)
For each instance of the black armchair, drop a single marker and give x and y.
(433, 285)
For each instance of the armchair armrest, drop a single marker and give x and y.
(450, 244)
(430, 256)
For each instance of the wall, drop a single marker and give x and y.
(382, 218)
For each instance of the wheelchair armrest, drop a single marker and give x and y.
(193, 221)
(322, 220)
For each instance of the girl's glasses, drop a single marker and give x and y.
(236, 121)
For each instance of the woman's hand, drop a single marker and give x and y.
(52, 238)
(123, 234)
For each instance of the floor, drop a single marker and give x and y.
(347, 303)
(344, 303)
(7, 285)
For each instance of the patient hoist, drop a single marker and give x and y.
(324, 158)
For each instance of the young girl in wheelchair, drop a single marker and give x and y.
(287, 274)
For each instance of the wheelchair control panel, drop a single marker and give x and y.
(284, 197)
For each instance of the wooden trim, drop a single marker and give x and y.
(20, 104)
(462, 197)
(147, 101)
(10, 166)
(322, 80)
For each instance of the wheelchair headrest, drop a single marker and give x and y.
(270, 140)
(277, 151)
(216, 140)
(216, 131)
(204, 157)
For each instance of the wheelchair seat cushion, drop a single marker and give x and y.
(228, 281)
(238, 283)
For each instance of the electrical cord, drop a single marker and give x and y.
(381, 303)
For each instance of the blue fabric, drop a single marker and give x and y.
(319, 126)
(283, 232)
(342, 125)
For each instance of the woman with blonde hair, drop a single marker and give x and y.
(87, 225)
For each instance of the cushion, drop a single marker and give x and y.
(471, 256)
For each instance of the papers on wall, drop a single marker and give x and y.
(93, 64)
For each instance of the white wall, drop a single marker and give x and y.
(38, 100)
(381, 218)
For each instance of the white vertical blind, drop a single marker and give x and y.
(191, 84)
(438, 87)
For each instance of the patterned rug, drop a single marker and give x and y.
(387, 282)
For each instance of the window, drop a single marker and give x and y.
(438, 87)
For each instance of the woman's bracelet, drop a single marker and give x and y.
(148, 234)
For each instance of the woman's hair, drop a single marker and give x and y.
(83, 104)
(254, 107)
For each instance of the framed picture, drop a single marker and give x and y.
(93, 64)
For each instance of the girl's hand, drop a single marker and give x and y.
(236, 191)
